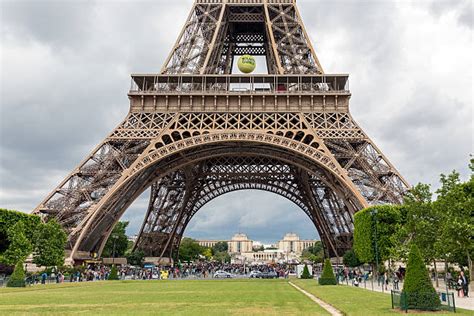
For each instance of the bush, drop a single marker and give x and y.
(113, 273)
(306, 274)
(327, 277)
(17, 279)
(419, 291)
(9, 218)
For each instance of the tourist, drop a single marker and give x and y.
(465, 284)
(396, 280)
(459, 286)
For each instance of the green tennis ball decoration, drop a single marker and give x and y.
(246, 64)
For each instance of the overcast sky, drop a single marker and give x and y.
(65, 69)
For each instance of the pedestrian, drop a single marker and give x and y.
(385, 276)
(465, 284)
(459, 286)
(396, 280)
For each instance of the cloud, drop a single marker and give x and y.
(64, 76)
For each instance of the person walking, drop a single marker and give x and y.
(465, 284)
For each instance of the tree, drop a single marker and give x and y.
(189, 250)
(455, 206)
(327, 277)
(206, 252)
(120, 238)
(222, 256)
(314, 253)
(17, 279)
(9, 218)
(418, 289)
(306, 274)
(350, 259)
(136, 258)
(221, 246)
(113, 276)
(19, 246)
(50, 242)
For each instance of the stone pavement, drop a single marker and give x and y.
(461, 302)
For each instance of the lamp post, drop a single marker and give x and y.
(374, 217)
(114, 237)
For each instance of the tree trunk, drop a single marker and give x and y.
(436, 273)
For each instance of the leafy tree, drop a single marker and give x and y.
(350, 259)
(113, 276)
(189, 250)
(306, 274)
(221, 246)
(136, 258)
(50, 242)
(19, 248)
(455, 206)
(259, 248)
(121, 241)
(9, 218)
(327, 277)
(418, 289)
(222, 256)
(206, 252)
(17, 279)
(314, 253)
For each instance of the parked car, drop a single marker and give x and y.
(268, 275)
(254, 274)
(222, 274)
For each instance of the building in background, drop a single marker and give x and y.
(244, 250)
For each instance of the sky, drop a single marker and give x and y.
(65, 72)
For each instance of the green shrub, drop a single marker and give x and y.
(9, 218)
(327, 277)
(113, 273)
(306, 274)
(419, 291)
(17, 279)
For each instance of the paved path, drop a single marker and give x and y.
(461, 302)
(331, 310)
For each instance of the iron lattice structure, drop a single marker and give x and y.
(196, 131)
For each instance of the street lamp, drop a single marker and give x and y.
(374, 217)
(114, 237)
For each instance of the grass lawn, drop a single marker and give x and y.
(179, 297)
(358, 301)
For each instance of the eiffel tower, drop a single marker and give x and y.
(196, 131)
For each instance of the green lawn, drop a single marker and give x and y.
(217, 297)
(358, 301)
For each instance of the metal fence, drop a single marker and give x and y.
(400, 300)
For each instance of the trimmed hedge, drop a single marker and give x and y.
(327, 277)
(420, 293)
(113, 273)
(387, 218)
(17, 279)
(9, 218)
(305, 274)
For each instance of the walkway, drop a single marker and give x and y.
(464, 302)
(331, 309)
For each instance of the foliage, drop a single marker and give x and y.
(222, 256)
(327, 277)
(455, 205)
(419, 225)
(17, 279)
(306, 274)
(314, 253)
(206, 252)
(113, 276)
(121, 241)
(350, 259)
(418, 287)
(221, 246)
(50, 241)
(189, 250)
(377, 221)
(9, 218)
(19, 247)
(136, 258)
